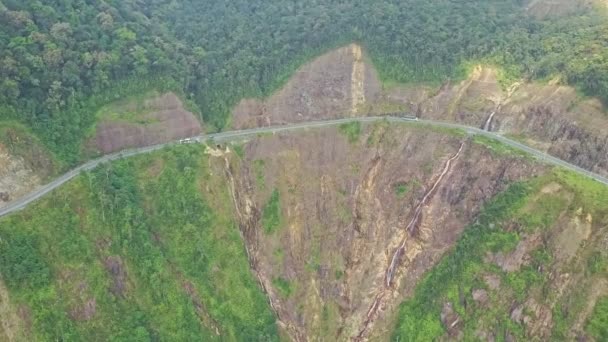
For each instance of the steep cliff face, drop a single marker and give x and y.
(325, 213)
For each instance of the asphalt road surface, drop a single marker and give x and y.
(24, 201)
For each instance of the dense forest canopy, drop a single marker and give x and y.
(61, 59)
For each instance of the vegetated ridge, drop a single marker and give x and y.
(62, 61)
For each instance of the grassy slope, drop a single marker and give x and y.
(150, 213)
(526, 208)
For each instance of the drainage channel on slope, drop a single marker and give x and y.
(410, 231)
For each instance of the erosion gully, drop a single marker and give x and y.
(410, 230)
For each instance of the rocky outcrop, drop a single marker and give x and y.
(554, 118)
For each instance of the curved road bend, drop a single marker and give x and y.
(235, 135)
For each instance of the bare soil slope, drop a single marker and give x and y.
(342, 83)
(24, 163)
(323, 214)
(334, 85)
(157, 120)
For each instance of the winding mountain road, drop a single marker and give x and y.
(235, 135)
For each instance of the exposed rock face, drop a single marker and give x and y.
(165, 119)
(334, 85)
(343, 216)
(548, 117)
(555, 119)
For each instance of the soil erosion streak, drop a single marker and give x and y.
(410, 230)
(357, 80)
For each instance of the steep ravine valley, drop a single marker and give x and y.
(352, 233)
(278, 227)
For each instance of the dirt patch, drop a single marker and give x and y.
(334, 85)
(116, 269)
(551, 188)
(572, 232)
(537, 318)
(164, 119)
(599, 288)
(513, 261)
(493, 281)
(451, 321)
(84, 312)
(357, 79)
(11, 326)
(342, 219)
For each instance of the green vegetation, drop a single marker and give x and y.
(525, 207)
(21, 264)
(159, 259)
(284, 287)
(597, 325)
(129, 109)
(61, 61)
(271, 214)
(351, 130)
(401, 190)
(258, 169)
(239, 150)
(597, 263)
(419, 317)
(498, 147)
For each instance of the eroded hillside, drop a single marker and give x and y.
(326, 212)
(357, 232)
(135, 122)
(342, 83)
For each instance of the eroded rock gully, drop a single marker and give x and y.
(345, 212)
